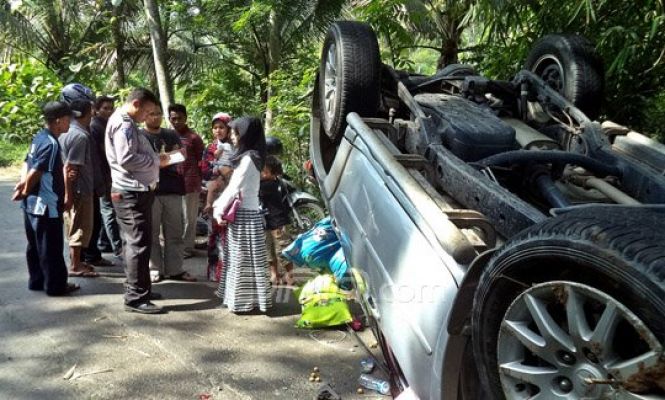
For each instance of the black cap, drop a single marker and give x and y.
(58, 109)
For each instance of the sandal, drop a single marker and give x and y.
(185, 276)
(83, 274)
(288, 279)
(87, 266)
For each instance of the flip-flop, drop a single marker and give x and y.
(87, 266)
(84, 274)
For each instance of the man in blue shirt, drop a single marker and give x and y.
(41, 191)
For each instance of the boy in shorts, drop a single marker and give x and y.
(277, 217)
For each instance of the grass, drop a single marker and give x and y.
(12, 153)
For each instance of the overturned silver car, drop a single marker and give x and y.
(508, 246)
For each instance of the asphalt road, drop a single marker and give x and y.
(195, 351)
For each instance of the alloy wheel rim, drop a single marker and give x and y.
(330, 84)
(560, 340)
(550, 70)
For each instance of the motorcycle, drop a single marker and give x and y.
(305, 208)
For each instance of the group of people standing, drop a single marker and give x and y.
(139, 187)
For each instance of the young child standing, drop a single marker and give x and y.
(277, 210)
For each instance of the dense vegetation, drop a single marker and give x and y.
(260, 57)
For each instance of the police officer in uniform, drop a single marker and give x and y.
(134, 175)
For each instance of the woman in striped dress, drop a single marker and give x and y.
(245, 282)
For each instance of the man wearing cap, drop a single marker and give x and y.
(76, 146)
(134, 173)
(42, 194)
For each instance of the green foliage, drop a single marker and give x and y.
(423, 60)
(654, 117)
(12, 153)
(390, 21)
(291, 103)
(227, 88)
(55, 32)
(24, 87)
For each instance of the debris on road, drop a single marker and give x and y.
(115, 336)
(68, 375)
(370, 382)
(326, 392)
(367, 365)
(75, 375)
(143, 353)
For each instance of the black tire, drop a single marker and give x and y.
(356, 76)
(310, 213)
(457, 70)
(469, 389)
(570, 65)
(619, 252)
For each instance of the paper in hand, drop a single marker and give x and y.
(176, 157)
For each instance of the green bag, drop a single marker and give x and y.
(323, 304)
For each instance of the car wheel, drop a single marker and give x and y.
(573, 308)
(570, 65)
(349, 75)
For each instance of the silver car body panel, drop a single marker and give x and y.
(411, 285)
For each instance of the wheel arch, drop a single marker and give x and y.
(454, 342)
(460, 314)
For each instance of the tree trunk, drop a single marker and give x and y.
(158, 40)
(119, 42)
(448, 54)
(450, 46)
(274, 59)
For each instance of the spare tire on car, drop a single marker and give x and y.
(349, 75)
(570, 65)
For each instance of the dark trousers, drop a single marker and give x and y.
(110, 233)
(134, 215)
(92, 252)
(46, 264)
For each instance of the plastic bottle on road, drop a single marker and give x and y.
(367, 365)
(372, 383)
